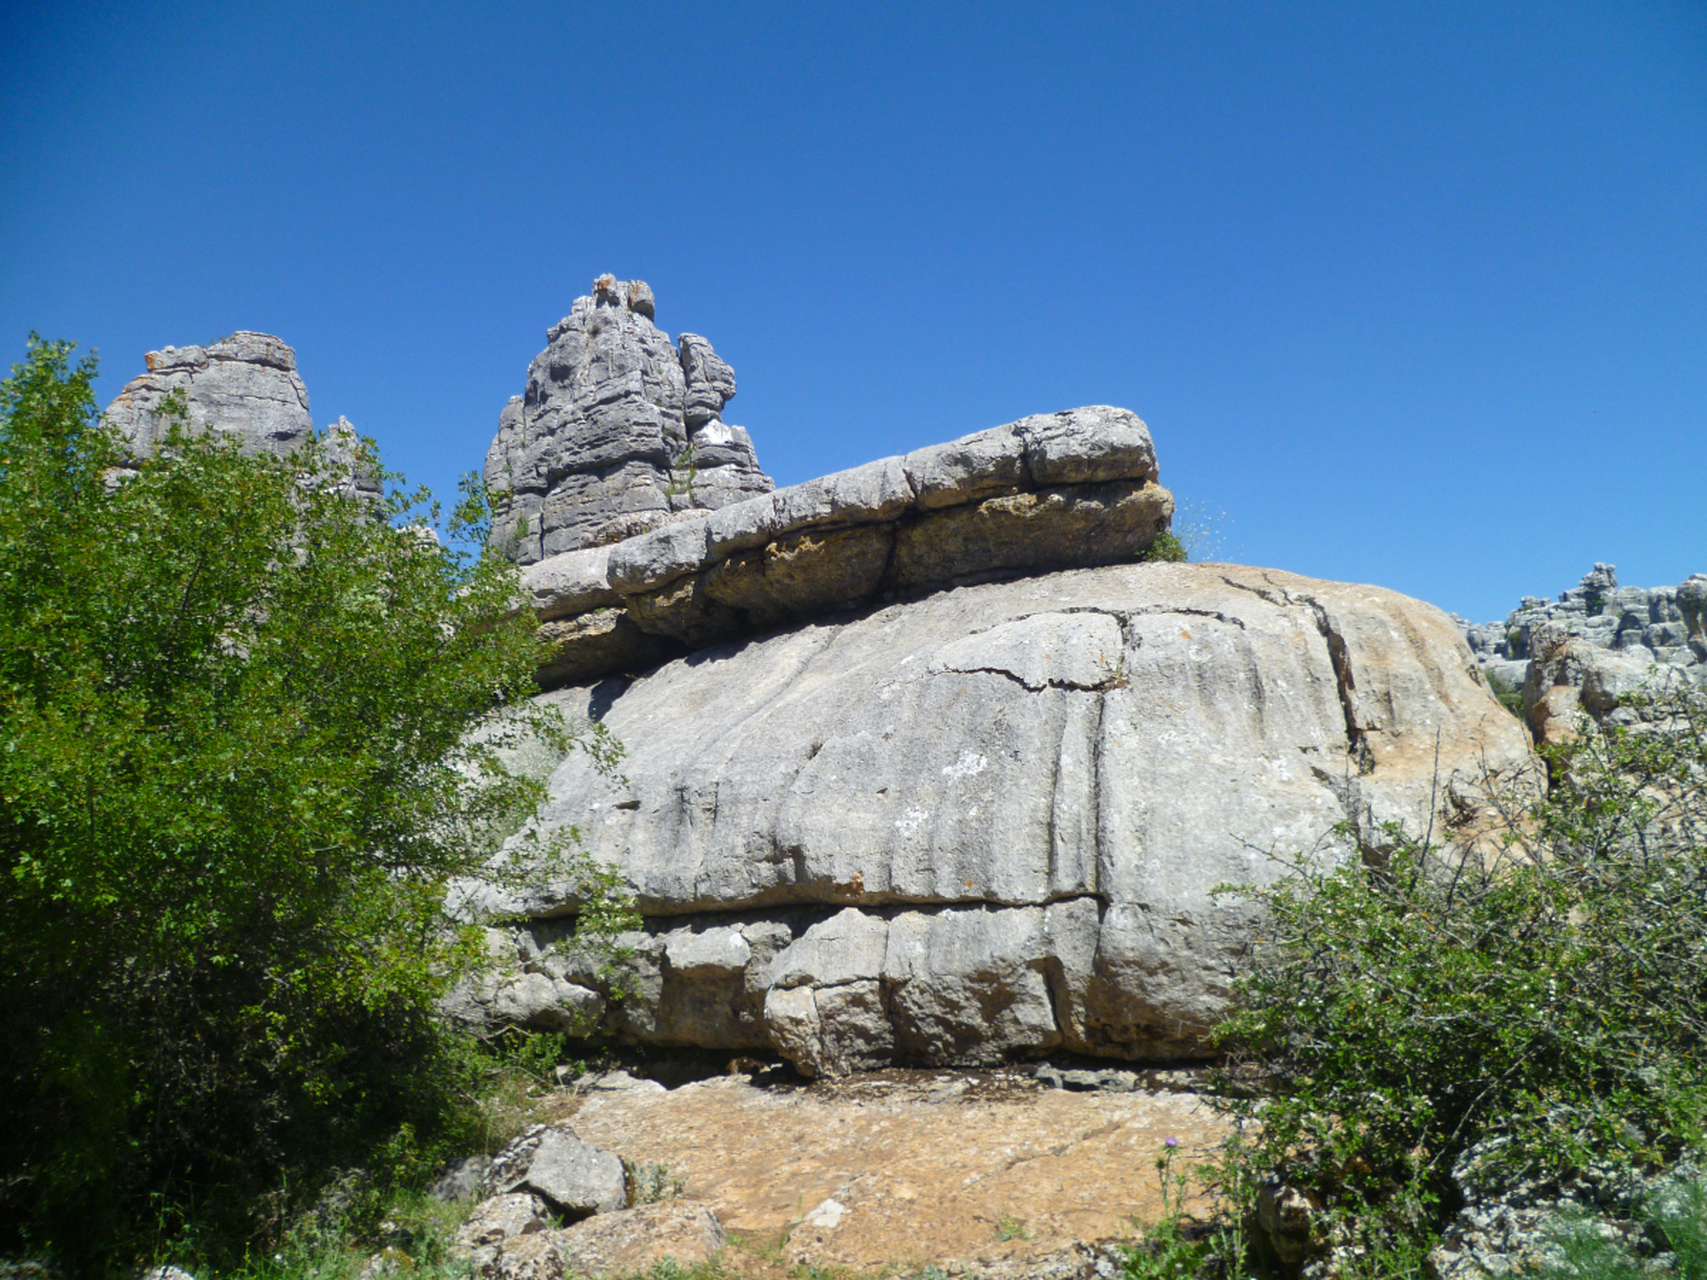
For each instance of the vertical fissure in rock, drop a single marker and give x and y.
(1357, 739)
(1094, 806)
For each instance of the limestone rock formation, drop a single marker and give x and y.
(1657, 625)
(1053, 491)
(987, 823)
(1591, 649)
(616, 430)
(245, 386)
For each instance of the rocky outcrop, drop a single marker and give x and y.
(547, 1179)
(246, 384)
(574, 1179)
(987, 823)
(245, 387)
(1569, 677)
(1054, 491)
(1655, 625)
(925, 763)
(1594, 649)
(617, 430)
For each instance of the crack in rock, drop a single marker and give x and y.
(1080, 652)
(1357, 737)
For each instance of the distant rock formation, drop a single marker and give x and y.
(617, 430)
(245, 386)
(1593, 647)
(1054, 491)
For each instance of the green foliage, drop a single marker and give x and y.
(538, 1054)
(1168, 1251)
(1166, 549)
(236, 773)
(1009, 1227)
(1508, 695)
(1546, 996)
(684, 470)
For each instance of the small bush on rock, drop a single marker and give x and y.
(1166, 549)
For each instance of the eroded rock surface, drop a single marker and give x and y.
(246, 387)
(246, 384)
(987, 823)
(617, 430)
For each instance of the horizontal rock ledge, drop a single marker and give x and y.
(856, 989)
(1065, 490)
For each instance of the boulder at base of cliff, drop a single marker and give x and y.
(988, 823)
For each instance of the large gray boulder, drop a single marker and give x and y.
(988, 823)
(575, 1178)
(616, 431)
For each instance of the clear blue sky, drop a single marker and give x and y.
(1414, 293)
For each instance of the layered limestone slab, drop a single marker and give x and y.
(1052, 491)
(987, 823)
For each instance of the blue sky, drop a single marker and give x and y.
(1409, 293)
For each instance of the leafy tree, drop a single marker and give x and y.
(236, 771)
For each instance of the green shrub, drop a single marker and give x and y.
(1166, 549)
(1550, 992)
(1508, 695)
(1171, 1248)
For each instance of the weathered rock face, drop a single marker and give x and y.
(987, 823)
(246, 384)
(247, 387)
(1053, 491)
(617, 429)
